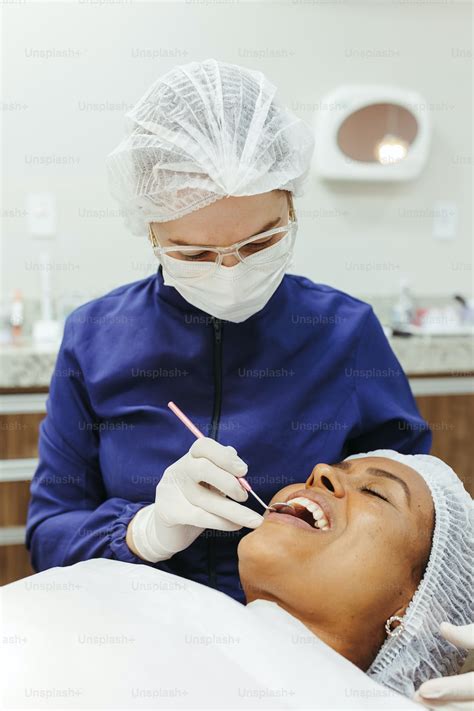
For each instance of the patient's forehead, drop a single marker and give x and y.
(408, 474)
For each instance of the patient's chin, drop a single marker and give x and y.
(255, 558)
(268, 544)
(262, 562)
(246, 547)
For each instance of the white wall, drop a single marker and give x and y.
(357, 237)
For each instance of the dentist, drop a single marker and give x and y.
(278, 371)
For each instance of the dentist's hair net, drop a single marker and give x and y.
(203, 131)
(445, 592)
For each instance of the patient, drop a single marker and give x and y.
(348, 560)
(356, 578)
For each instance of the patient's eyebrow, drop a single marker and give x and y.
(388, 475)
(376, 471)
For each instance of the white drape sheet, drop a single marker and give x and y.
(106, 634)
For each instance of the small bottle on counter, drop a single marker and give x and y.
(402, 312)
(16, 317)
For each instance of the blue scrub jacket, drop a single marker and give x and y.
(310, 378)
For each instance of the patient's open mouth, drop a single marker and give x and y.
(305, 514)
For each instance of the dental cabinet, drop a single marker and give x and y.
(440, 369)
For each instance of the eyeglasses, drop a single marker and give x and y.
(260, 251)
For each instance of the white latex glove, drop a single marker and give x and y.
(184, 507)
(451, 693)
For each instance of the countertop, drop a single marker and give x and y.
(29, 366)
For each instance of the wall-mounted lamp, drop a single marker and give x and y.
(372, 133)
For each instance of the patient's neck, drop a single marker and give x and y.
(355, 641)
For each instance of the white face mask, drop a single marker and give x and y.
(232, 293)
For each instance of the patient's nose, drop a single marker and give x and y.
(326, 477)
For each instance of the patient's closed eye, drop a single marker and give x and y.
(374, 492)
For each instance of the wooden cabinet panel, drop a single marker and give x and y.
(14, 497)
(19, 435)
(451, 420)
(14, 564)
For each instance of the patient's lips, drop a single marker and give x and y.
(289, 519)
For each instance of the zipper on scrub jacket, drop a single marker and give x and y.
(216, 414)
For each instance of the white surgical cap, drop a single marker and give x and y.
(445, 592)
(203, 131)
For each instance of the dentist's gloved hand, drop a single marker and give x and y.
(451, 693)
(184, 506)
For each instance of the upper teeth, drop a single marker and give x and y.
(320, 520)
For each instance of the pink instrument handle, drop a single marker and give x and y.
(198, 434)
(185, 420)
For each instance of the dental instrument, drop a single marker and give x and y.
(198, 434)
